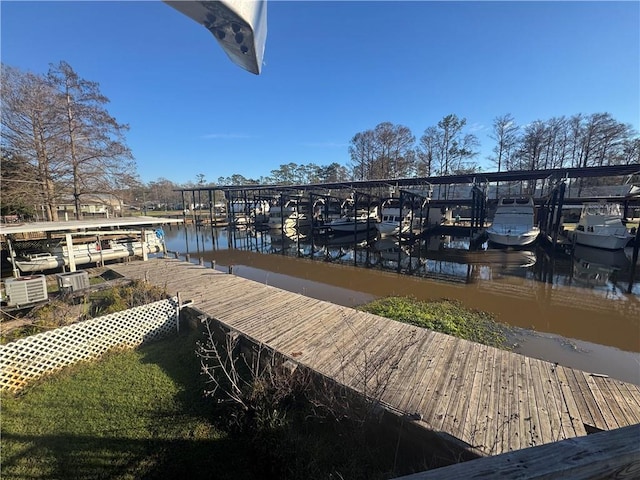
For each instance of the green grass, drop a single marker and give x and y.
(141, 414)
(445, 316)
(133, 414)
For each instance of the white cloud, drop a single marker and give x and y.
(477, 127)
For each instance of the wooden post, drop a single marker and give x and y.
(634, 259)
(201, 261)
(72, 258)
(178, 312)
(188, 257)
(12, 254)
(100, 250)
(213, 264)
(143, 241)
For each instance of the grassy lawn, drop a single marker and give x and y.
(141, 414)
(134, 414)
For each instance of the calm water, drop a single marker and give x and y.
(574, 310)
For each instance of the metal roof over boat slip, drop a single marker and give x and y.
(79, 225)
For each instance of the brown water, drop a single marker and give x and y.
(594, 328)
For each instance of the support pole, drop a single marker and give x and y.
(634, 259)
(99, 244)
(12, 255)
(143, 241)
(179, 307)
(558, 213)
(72, 258)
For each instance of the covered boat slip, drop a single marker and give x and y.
(92, 240)
(488, 400)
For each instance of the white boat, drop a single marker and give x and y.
(292, 215)
(92, 252)
(327, 210)
(514, 222)
(601, 226)
(393, 221)
(360, 221)
(249, 212)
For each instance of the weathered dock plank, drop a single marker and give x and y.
(517, 406)
(409, 370)
(302, 343)
(434, 392)
(546, 419)
(628, 406)
(612, 454)
(571, 403)
(324, 345)
(494, 401)
(417, 372)
(557, 403)
(469, 432)
(460, 388)
(602, 404)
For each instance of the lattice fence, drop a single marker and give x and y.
(30, 358)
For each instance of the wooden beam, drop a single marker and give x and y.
(610, 454)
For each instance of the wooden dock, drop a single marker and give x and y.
(492, 400)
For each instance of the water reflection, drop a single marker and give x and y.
(599, 268)
(439, 257)
(583, 296)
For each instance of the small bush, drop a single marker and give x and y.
(445, 316)
(66, 310)
(124, 297)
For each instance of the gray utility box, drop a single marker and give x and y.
(26, 290)
(72, 281)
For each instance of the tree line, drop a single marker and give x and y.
(59, 144)
(448, 148)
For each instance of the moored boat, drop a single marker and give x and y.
(291, 215)
(601, 226)
(514, 223)
(393, 220)
(58, 256)
(361, 221)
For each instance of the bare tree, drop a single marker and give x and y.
(451, 149)
(395, 151)
(531, 146)
(58, 124)
(99, 160)
(384, 152)
(505, 134)
(426, 152)
(32, 133)
(363, 152)
(630, 151)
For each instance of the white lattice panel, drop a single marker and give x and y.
(30, 358)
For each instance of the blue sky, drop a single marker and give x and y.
(331, 70)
